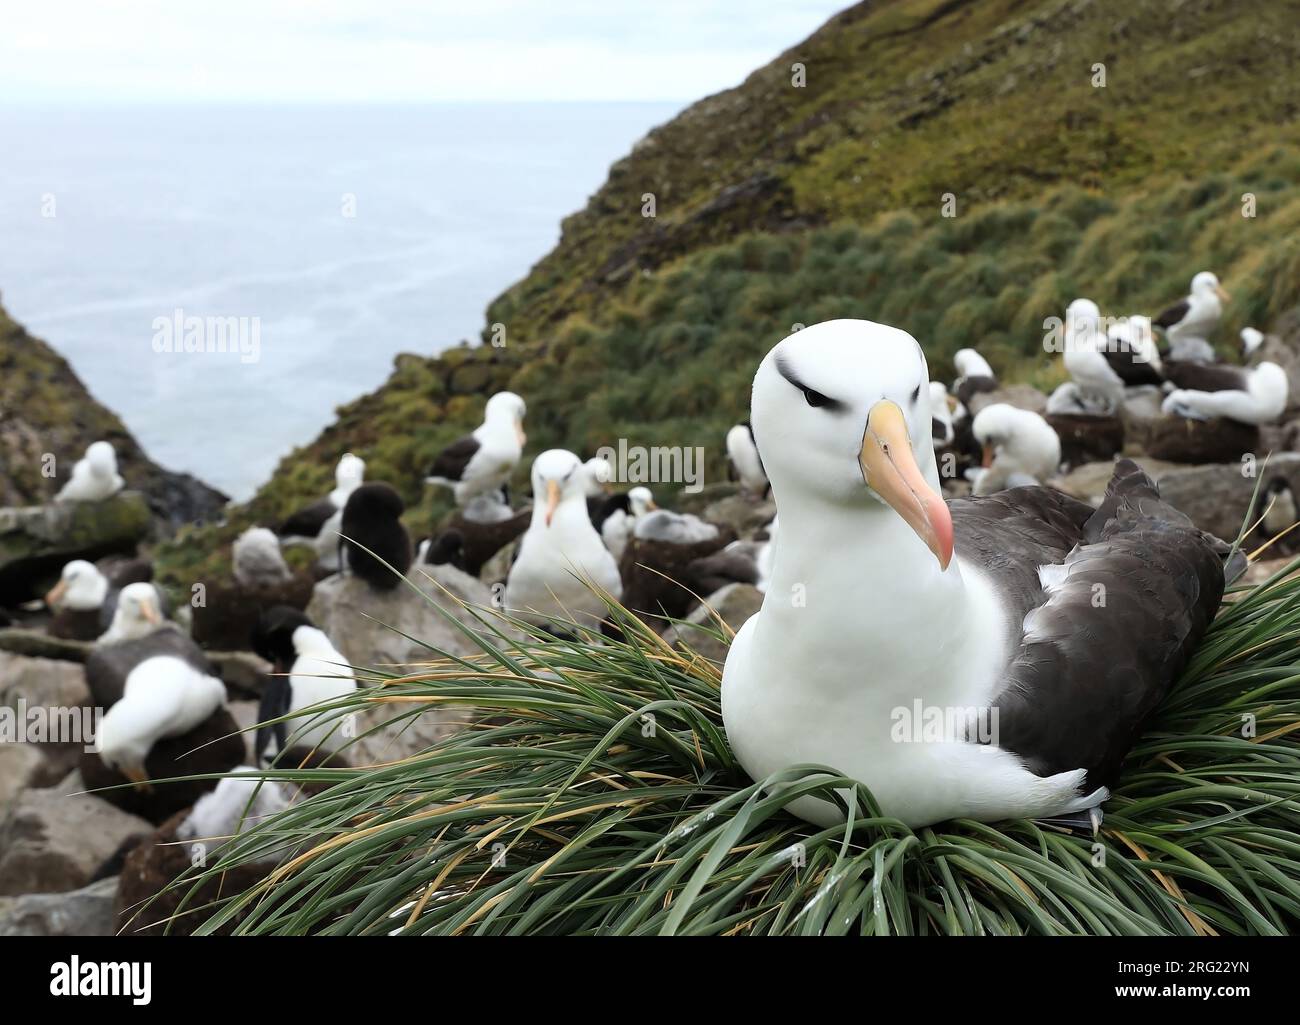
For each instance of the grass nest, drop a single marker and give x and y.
(594, 792)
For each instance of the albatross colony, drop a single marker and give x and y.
(983, 609)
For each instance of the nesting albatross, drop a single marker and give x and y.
(986, 607)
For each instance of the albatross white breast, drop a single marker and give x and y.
(983, 612)
(561, 550)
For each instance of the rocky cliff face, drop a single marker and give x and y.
(46, 410)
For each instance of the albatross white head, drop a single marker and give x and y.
(505, 409)
(1206, 284)
(348, 476)
(841, 414)
(137, 614)
(559, 479)
(81, 587)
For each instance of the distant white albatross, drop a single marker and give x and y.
(482, 461)
(1249, 395)
(94, 476)
(1188, 324)
(561, 556)
(984, 609)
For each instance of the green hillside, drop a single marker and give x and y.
(778, 204)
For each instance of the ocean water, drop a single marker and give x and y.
(342, 236)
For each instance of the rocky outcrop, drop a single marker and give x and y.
(53, 692)
(1216, 496)
(374, 628)
(52, 841)
(89, 911)
(35, 541)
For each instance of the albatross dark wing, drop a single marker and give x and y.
(308, 521)
(452, 460)
(1173, 315)
(1114, 629)
(1130, 367)
(1204, 376)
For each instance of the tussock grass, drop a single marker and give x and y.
(595, 793)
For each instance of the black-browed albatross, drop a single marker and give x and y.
(1052, 629)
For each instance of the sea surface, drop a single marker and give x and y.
(339, 236)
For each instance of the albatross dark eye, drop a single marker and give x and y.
(815, 398)
(916, 394)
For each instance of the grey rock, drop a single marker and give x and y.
(358, 618)
(1216, 496)
(55, 691)
(52, 842)
(85, 912)
(742, 514)
(22, 766)
(35, 541)
(734, 604)
(1022, 396)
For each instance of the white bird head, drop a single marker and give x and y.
(102, 459)
(1207, 283)
(81, 586)
(507, 407)
(599, 473)
(1251, 339)
(970, 363)
(350, 472)
(641, 501)
(841, 414)
(557, 477)
(137, 614)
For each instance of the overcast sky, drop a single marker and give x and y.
(391, 50)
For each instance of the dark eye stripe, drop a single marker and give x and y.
(813, 397)
(916, 394)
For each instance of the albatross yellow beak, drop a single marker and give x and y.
(552, 499)
(150, 612)
(890, 470)
(519, 433)
(1222, 293)
(56, 594)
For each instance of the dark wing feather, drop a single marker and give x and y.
(1131, 369)
(108, 665)
(452, 460)
(1103, 650)
(1205, 376)
(968, 387)
(308, 521)
(1173, 315)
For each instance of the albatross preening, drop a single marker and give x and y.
(482, 461)
(886, 605)
(1020, 447)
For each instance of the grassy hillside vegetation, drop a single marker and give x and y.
(778, 204)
